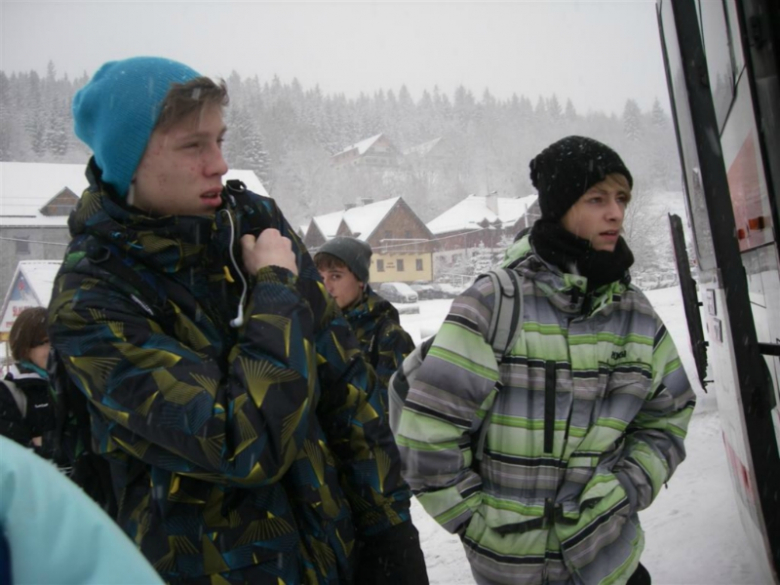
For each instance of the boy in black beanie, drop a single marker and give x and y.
(587, 413)
(584, 188)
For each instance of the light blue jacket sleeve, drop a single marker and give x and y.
(56, 533)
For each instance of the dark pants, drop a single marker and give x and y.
(640, 577)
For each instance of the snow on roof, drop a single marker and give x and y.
(473, 209)
(361, 220)
(424, 148)
(31, 286)
(364, 219)
(329, 223)
(249, 178)
(361, 146)
(26, 187)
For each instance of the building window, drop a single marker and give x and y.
(22, 245)
(380, 265)
(419, 264)
(399, 264)
(408, 234)
(388, 235)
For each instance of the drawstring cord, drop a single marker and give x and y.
(239, 320)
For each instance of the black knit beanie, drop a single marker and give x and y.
(566, 169)
(356, 254)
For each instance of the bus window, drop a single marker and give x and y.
(695, 199)
(718, 47)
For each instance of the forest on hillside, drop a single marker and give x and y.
(287, 134)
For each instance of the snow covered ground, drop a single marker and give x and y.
(694, 535)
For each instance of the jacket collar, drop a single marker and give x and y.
(168, 244)
(565, 291)
(371, 307)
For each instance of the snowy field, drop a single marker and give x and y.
(694, 536)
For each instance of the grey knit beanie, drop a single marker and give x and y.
(356, 254)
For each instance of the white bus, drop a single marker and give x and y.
(721, 60)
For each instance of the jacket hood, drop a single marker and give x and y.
(566, 291)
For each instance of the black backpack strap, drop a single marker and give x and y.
(507, 317)
(506, 325)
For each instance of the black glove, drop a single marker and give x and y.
(393, 557)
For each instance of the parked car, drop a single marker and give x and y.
(398, 292)
(449, 291)
(426, 291)
(437, 290)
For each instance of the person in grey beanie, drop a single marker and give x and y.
(344, 264)
(225, 391)
(585, 417)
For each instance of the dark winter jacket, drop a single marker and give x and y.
(250, 452)
(374, 321)
(35, 418)
(384, 342)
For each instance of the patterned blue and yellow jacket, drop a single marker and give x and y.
(251, 453)
(385, 344)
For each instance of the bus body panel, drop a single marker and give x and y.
(722, 77)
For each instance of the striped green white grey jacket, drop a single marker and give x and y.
(591, 409)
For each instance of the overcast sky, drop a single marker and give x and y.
(598, 54)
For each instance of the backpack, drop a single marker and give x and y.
(71, 440)
(503, 332)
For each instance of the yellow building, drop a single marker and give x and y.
(399, 239)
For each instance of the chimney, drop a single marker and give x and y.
(348, 206)
(491, 201)
(367, 200)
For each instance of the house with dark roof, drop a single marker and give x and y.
(431, 151)
(398, 237)
(377, 152)
(479, 221)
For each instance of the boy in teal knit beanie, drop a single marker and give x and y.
(117, 110)
(226, 389)
(156, 129)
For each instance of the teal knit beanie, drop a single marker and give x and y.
(115, 113)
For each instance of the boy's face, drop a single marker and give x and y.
(39, 354)
(598, 215)
(182, 167)
(342, 285)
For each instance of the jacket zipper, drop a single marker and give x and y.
(549, 406)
